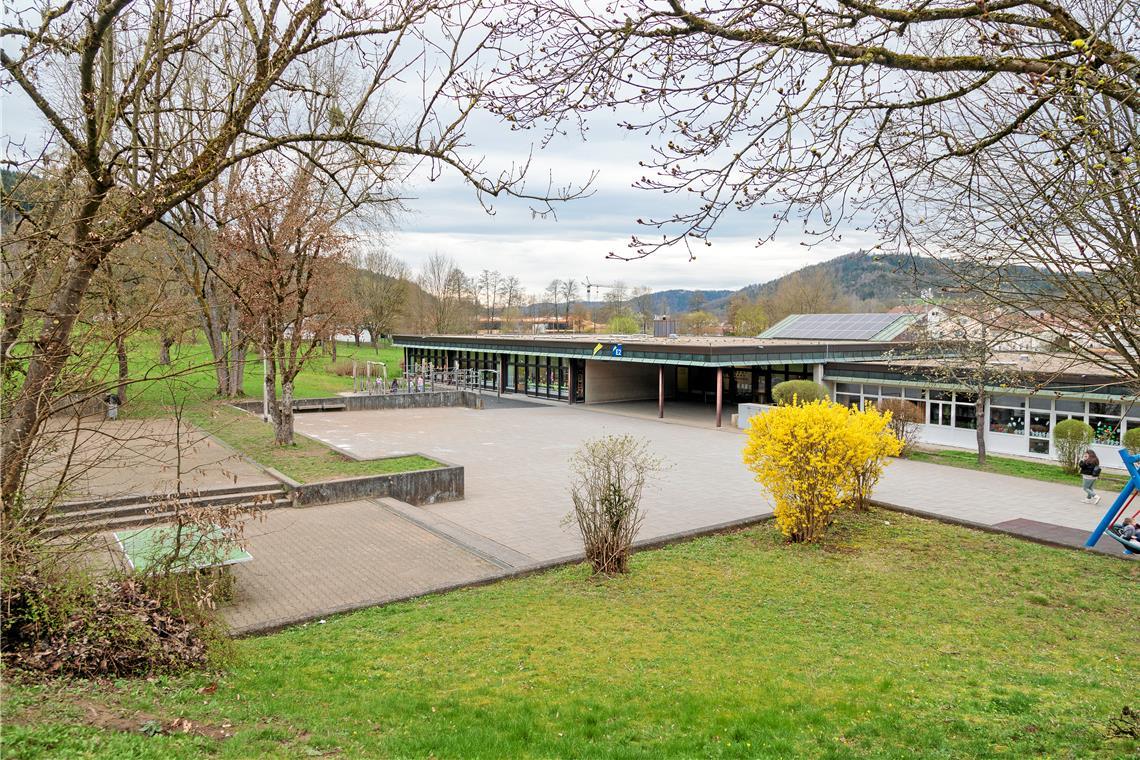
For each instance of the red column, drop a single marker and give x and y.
(661, 392)
(719, 393)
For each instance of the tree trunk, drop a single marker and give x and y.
(269, 388)
(356, 338)
(980, 415)
(236, 369)
(164, 344)
(124, 367)
(30, 407)
(283, 433)
(334, 342)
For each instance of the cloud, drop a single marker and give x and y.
(536, 259)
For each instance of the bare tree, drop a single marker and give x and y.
(974, 355)
(810, 105)
(284, 245)
(488, 286)
(553, 291)
(807, 291)
(381, 291)
(148, 103)
(446, 296)
(570, 294)
(1047, 228)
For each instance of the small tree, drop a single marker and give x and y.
(906, 418)
(1132, 440)
(804, 391)
(608, 476)
(814, 459)
(1070, 439)
(623, 324)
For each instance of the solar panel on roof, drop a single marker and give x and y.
(833, 327)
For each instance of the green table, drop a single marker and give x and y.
(144, 547)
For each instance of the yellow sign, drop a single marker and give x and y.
(597, 348)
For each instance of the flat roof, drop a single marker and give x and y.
(716, 351)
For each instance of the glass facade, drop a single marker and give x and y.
(1033, 417)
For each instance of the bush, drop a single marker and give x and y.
(1132, 440)
(816, 458)
(905, 420)
(1070, 439)
(61, 621)
(805, 391)
(607, 477)
(341, 367)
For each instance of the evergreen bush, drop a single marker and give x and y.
(801, 391)
(1070, 440)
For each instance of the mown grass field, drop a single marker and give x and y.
(897, 637)
(189, 378)
(306, 461)
(1020, 468)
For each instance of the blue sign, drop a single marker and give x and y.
(616, 350)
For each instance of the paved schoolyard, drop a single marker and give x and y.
(316, 561)
(516, 468)
(99, 458)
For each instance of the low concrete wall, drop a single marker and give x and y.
(428, 399)
(417, 487)
(745, 412)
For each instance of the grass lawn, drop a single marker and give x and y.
(305, 462)
(898, 637)
(190, 375)
(1017, 467)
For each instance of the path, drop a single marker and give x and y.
(316, 561)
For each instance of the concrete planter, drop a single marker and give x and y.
(417, 487)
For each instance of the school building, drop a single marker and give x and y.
(857, 356)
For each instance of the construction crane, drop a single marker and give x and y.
(591, 285)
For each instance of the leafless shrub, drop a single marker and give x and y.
(608, 476)
(905, 420)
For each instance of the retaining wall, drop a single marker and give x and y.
(416, 487)
(427, 399)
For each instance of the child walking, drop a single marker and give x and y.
(1090, 471)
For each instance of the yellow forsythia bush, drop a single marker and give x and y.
(816, 458)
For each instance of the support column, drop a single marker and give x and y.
(503, 358)
(661, 391)
(571, 381)
(719, 393)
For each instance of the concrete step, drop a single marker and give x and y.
(142, 507)
(73, 506)
(112, 521)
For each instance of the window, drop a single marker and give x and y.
(965, 411)
(1007, 415)
(846, 399)
(1105, 422)
(939, 408)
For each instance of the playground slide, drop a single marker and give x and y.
(1119, 505)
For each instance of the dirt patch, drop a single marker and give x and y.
(98, 715)
(103, 717)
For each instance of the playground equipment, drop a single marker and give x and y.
(424, 377)
(1122, 502)
(369, 381)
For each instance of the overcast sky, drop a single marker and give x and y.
(444, 216)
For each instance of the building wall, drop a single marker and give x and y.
(619, 381)
(1024, 441)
